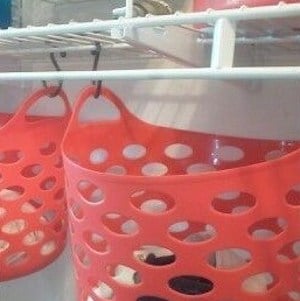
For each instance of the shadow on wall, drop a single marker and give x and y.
(262, 109)
(268, 110)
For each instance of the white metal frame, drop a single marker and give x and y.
(152, 74)
(209, 16)
(225, 23)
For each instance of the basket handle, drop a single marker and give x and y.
(105, 93)
(20, 114)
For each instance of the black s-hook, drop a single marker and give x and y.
(57, 68)
(98, 83)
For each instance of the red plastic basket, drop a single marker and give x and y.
(223, 4)
(163, 214)
(32, 203)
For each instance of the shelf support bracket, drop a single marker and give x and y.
(223, 44)
(125, 11)
(129, 9)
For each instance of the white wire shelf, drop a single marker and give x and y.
(214, 35)
(33, 44)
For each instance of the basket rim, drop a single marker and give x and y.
(288, 158)
(208, 175)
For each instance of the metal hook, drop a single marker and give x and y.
(98, 83)
(57, 68)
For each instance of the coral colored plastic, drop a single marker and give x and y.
(250, 202)
(33, 221)
(223, 4)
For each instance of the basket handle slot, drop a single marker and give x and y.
(87, 95)
(21, 114)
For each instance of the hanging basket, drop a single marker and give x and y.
(32, 204)
(160, 214)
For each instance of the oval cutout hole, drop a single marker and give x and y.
(82, 256)
(32, 206)
(294, 295)
(154, 169)
(120, 224)
(274, 154)
(198, 168)
(134, 151)
(4, 245)
(11, 193)
(14, 227)
(16, 259)
(48, 148)
(48, 248)
(289, 252)
(192, 232)
(116, 170)
(95, 241)
(155, 255)
(293, 196)
(229, 153)
(124, 275)
(230, 259)
(98, 156)
(33, 238)
(191, 285)
(102, 291)
(10, 156)
(48, 183)
(48, 216)
(31, 170)
(259, 283)
(90, 192)
(233, 202)
(178, 151)
(152, 202)
(267, 228)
